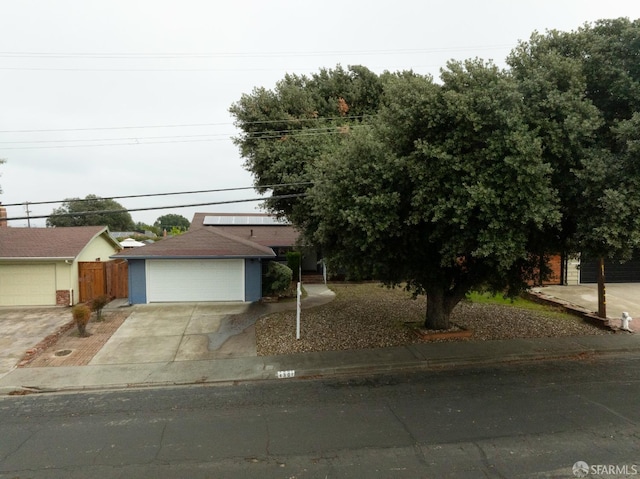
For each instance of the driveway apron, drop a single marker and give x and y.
(180, 332)
(23, 328)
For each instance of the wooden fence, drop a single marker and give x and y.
(103, 278)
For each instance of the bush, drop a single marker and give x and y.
(81, 314)
(277, 279)
(293, 262)
(97, 304)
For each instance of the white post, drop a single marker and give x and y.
(324, 272)
(299, 295)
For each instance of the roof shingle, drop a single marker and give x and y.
(67, 242)
(266, 235)
(200, 243)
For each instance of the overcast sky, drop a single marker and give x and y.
(126, 97)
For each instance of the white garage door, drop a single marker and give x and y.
(195, 280)
(28, 285)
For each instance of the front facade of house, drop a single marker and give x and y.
(264, 229)
(39, 266)
(199, 265)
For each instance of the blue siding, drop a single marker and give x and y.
(137, 281)
(252, 280)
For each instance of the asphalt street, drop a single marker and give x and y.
(520, 421)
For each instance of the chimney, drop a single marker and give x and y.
(3, 216)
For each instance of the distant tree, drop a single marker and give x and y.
(91, 211)
(171, 221)
(142, 227)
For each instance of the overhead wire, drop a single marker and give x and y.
(190, 55)
(153, 208)
(187, 125)
(167, 139)
(149, 195)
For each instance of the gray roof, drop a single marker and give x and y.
(200, 243)
(61, 243)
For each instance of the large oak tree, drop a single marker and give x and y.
(459, 184)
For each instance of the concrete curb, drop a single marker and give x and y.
(305, 366)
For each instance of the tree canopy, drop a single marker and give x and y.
(172, 221)
(582, 90)
(466, 182)
(284, 131)
(91, 211)
(443, 192)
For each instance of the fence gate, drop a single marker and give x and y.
(102, 278)
(92, 279)
(117, 273)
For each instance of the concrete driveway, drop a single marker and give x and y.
(181, 332)
(164, 332)
(23, 328)
(619, 297)
(173, 332)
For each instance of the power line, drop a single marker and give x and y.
(136, 142)
(188, 125)
(139, 138)
(190, 55)
(149, 195)
(87, 213)
(47, 130)
(115, 139)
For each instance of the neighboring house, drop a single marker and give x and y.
(131, 243)
(204, 264)
(264, 229)
(41, 266)
(584, 270)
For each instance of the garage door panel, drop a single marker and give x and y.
(28, 285)
(615, 271)
(195, 280)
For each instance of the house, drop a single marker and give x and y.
(583, 270)
(264, 229)
(203, 264)
(131, 243)
(42, 266)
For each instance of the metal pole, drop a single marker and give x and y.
(298, 307)
(602, 294)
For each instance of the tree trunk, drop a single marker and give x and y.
(437, 311)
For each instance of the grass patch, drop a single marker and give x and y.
(518, 302)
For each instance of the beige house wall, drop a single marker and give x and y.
(62, 288)
(573, 270)
(33, 283)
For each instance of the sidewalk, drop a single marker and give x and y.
(426, 356)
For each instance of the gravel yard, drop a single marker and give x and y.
(370, 316)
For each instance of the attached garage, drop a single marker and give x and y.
(200, 265)
(614, 271)
(195, 280)
(40, 266)
(28, 285)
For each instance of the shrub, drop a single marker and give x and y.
(97, 304)
(277, 278)
(81, 314)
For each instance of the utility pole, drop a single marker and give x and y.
(28, 211)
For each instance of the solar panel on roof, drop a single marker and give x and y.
(243, 221)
